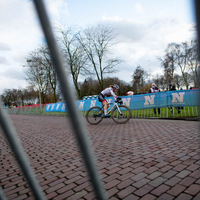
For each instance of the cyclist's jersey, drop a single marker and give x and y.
(109, 91)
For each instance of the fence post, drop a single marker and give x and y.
(14, 142)
(79, 128)
(2, 196)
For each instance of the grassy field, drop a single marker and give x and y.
(166, 113)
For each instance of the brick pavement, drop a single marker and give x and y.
(143, 159)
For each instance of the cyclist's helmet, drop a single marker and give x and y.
(116, 86)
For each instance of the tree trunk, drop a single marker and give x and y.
(54, 94)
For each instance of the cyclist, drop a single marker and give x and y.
(108, 91)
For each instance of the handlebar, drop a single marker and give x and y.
(119, 100)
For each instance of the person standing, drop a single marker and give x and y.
(154, 89)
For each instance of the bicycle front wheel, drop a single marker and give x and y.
(94, 115)
(121, 115)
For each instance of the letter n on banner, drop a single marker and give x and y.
(63, 107)
(81, 105)
(126, 101)
(177, 97)
(109, 100)
(92, 103)
(149, 99)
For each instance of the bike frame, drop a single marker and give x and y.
(95, 114)
(111, 109)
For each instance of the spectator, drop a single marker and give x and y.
(6, 105)
(173, 87)
(154, 89)
(129, 93)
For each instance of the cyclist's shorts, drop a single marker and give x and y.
(101, 97)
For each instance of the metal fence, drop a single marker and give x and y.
(79, 128)
(169, 112)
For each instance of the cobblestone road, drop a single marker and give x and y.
(143, 159)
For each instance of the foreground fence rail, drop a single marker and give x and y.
(21, 156)
(80, 131)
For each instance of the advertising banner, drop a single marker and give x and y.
(180, 98)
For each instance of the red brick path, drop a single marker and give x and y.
(143, 159)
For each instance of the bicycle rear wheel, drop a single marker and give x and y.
(94, 115)
(122, 115)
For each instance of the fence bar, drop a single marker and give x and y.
(15, 144)
(197, 12)
(2, 196)
(80, 130)
(143, 113)
(167, 112)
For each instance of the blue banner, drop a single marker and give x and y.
(181, 98)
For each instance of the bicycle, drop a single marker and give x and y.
(119, 113)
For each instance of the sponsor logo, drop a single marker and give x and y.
(149, 100)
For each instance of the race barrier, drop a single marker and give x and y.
(181, 98)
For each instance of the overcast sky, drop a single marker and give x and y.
(144, 27)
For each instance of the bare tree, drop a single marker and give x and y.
(89, 87)
(41, 73)
(35, 74)
(156, 80)
(8, 97)
(50, 73)
(178, 81)
(96, 42)
(163, 83)
(178, 55)
(188, 78)
(168, 64)
(30, 95)
(139, 79)
(181, 55)
(74, 55)
(193, 62)
(19, 96)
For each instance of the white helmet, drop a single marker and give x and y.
(116, 86)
